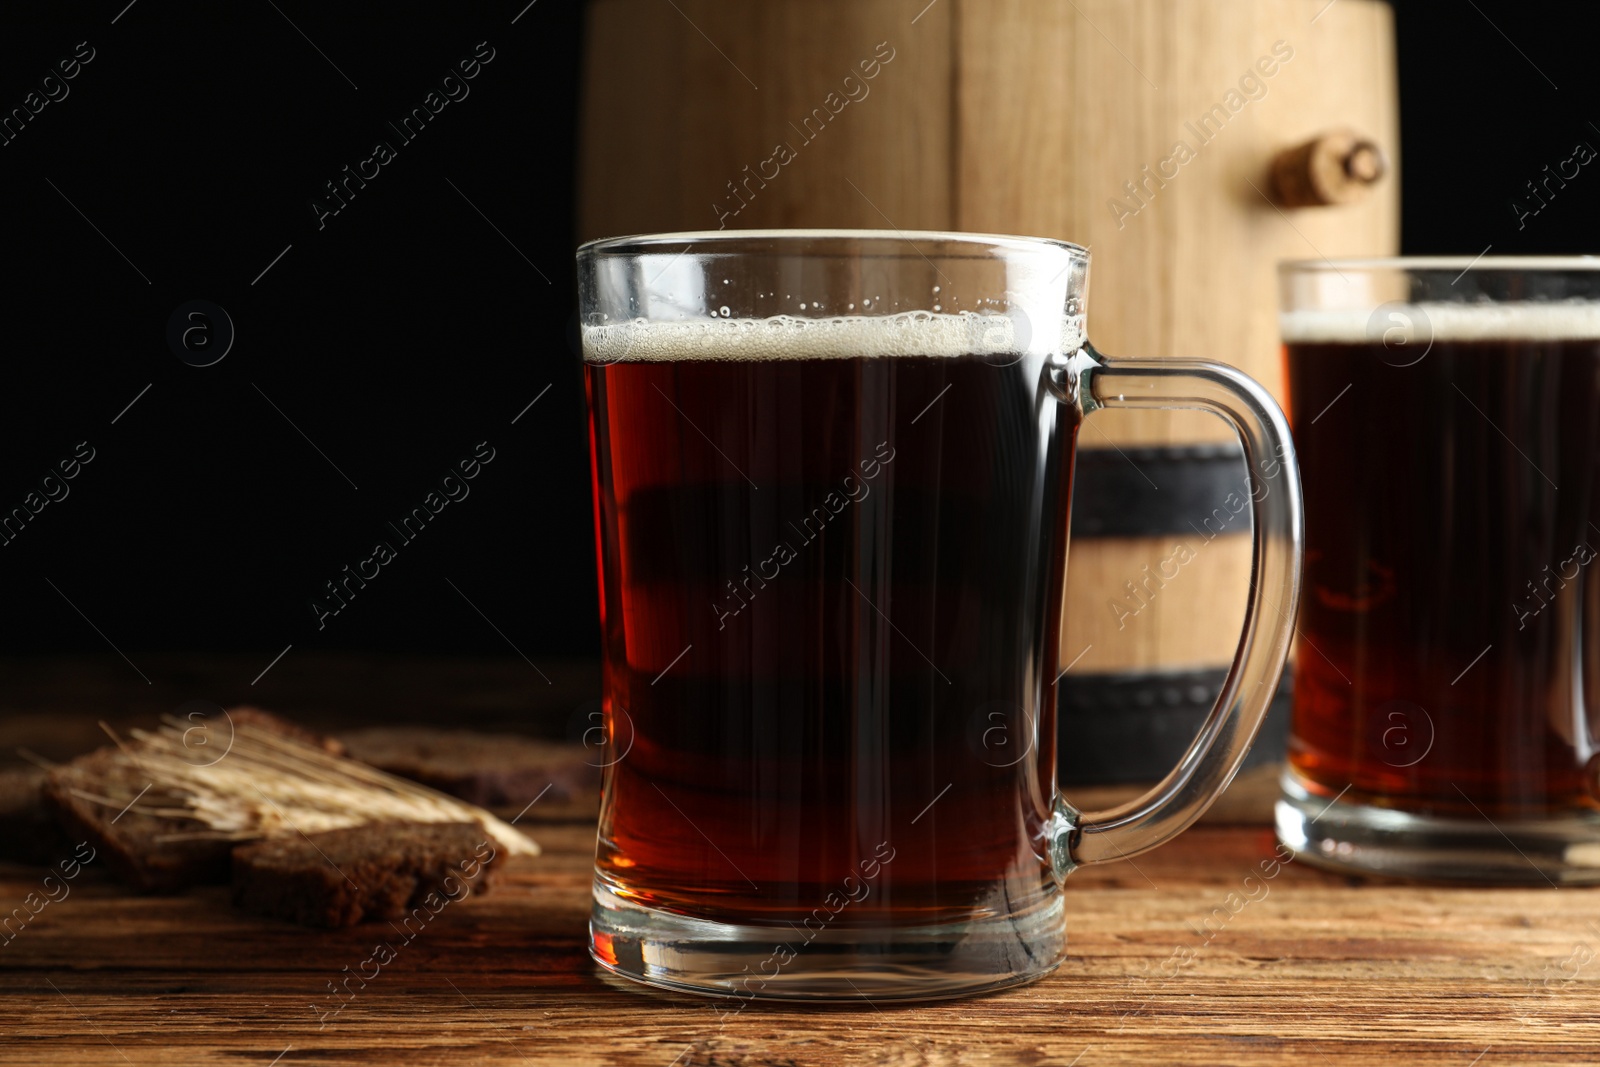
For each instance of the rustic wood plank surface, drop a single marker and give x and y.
(1188, 955)
(1175, 958)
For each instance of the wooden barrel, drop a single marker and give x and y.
(1148, 130)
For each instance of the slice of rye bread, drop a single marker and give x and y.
(28, 830)
(378, 871)
(490, 770)
(91, 798)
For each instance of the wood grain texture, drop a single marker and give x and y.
(1156, 625)
(1076, 100)
(1309, 968)
(679, 98)
(1188, 955)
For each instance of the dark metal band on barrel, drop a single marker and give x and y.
(1133, 726)
(1152, 492)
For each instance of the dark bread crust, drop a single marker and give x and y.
(378, 871)
(489, 770)
(128, 840)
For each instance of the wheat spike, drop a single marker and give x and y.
(267, 784)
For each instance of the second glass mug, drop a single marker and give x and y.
(1446, 719)
(832, 481)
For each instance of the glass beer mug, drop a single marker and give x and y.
(832, 479)
(1446, 720)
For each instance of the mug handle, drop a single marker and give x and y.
(1210, 763)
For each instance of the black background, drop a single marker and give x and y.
(411, 327)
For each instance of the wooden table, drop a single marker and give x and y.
(1174, 959)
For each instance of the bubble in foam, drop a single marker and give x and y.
(1554, 320)
(788, 337)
